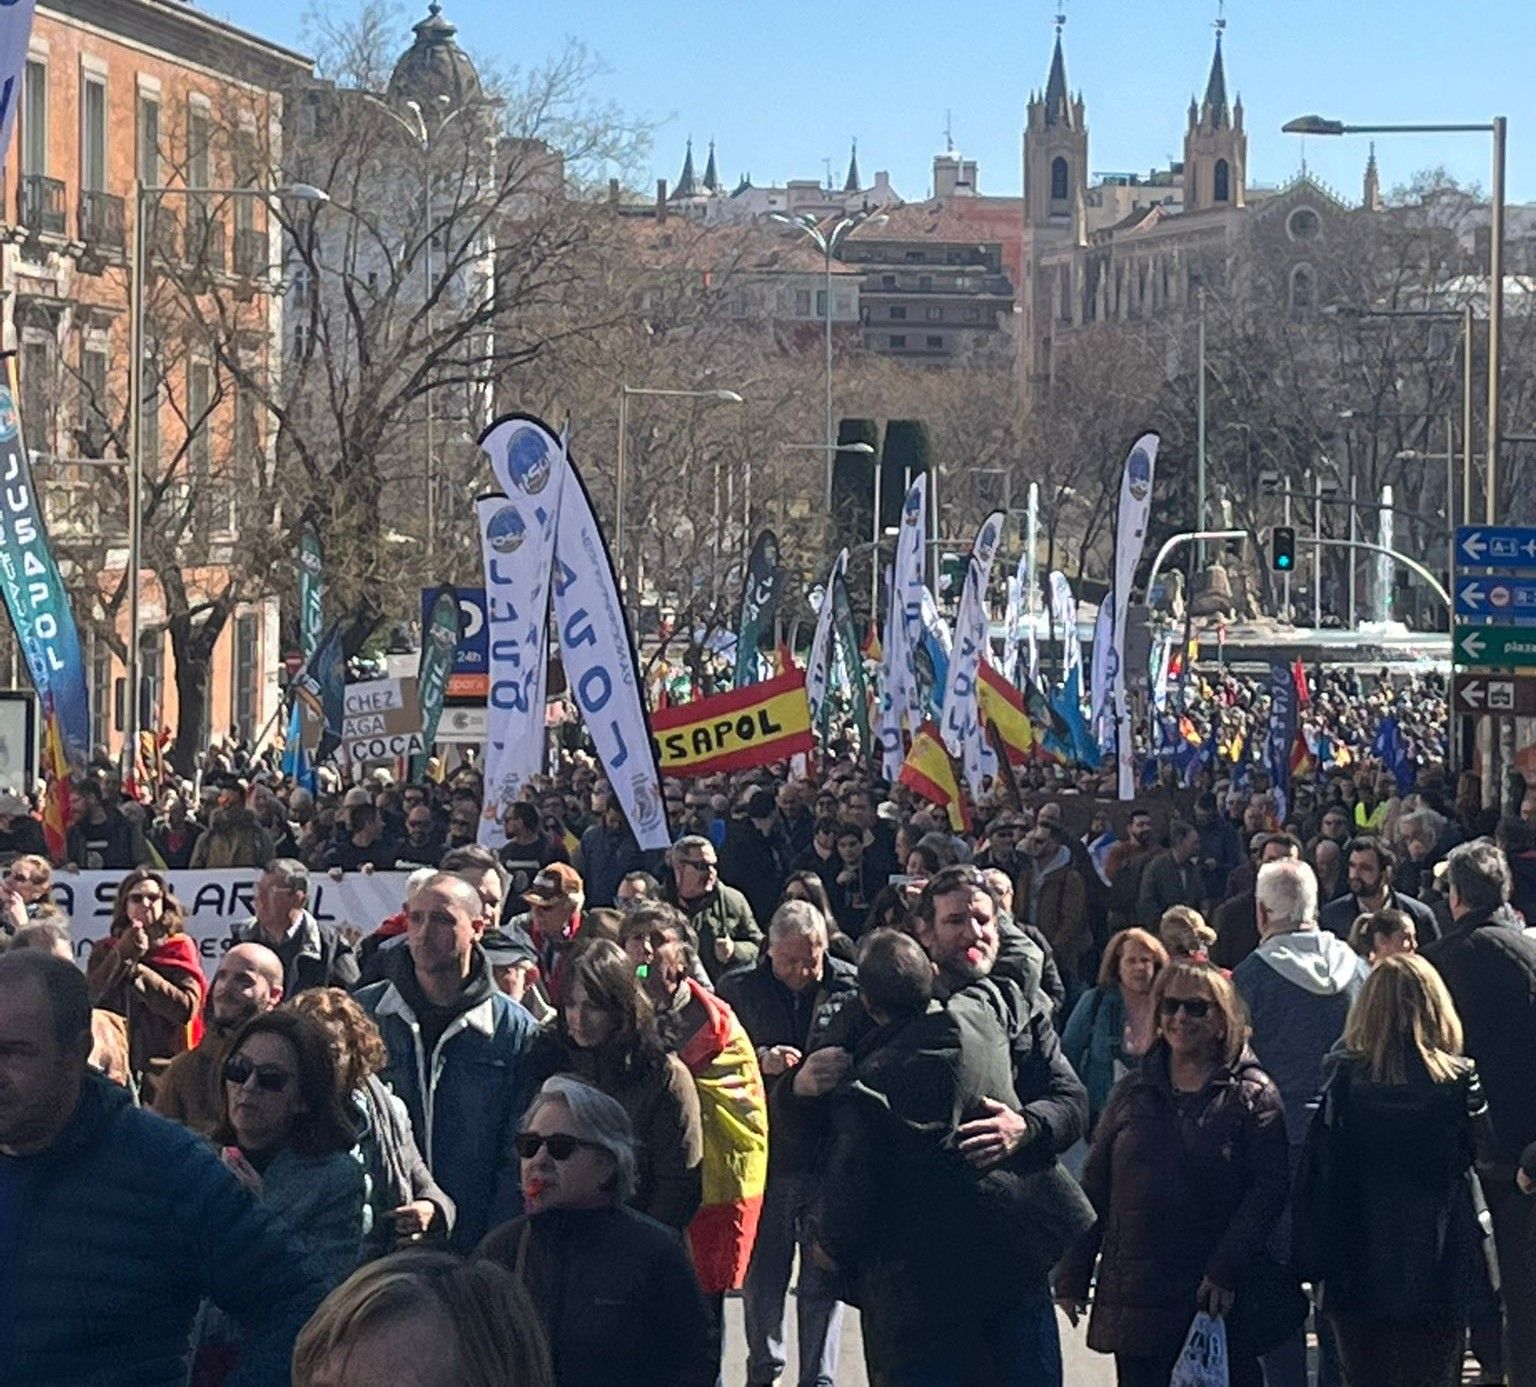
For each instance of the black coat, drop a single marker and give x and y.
(1338, 917)
(1400, 1239)
(616, 1295)
(1185, 1188)
(1489, 964)
(315, 955)
(756, 864)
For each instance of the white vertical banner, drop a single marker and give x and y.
(517, 541)
(1030, 586)
(1384, 561)
(15, 35)
(960, 720)
(600, 664)
(1012, 630)
(818, 670)
(1130, 539)
(900, 699)
(1099, 717)
(1064, 618)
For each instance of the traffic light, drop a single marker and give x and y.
(1282, 552)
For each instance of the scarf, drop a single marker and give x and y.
(177, 953)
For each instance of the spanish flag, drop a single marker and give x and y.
(929, 771)
(1003, 706)
(57, 803)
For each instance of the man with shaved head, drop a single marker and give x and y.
(248, 982)
(457, 1052)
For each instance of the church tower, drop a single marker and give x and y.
(1215, 145)
(1055, 148)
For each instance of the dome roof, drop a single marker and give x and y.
(434, 66)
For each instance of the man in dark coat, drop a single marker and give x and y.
(1489, 964)
(1371, 866)
(755, 858)
(313, 954)
(116, 1223)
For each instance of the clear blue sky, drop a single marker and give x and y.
(781, 84)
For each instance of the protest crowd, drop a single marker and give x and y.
(1060, 1060)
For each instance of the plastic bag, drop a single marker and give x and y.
(1203, 1360)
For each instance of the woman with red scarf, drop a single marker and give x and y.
(148, 971)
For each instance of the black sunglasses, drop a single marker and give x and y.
(1196, 1008)
(269, 1078)
(562, 1145)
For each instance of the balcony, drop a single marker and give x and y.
(41, 208)
(101, 223)
(252, 252)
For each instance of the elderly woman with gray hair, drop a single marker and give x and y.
(614, 1290)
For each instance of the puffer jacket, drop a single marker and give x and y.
(466, 1097)
(1184, 1189)
(125, 1188)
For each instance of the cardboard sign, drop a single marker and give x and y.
(382, 721)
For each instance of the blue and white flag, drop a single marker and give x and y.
(960, 717)
(1064, 619)
(821, 663)
(34, 591)
(901, 700)
(1388, 748)
(517, 541)
(931, 658)
(1130, 538)
(600, 665)
(1282, 733)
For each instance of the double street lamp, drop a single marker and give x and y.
(1320, 125)
(139, 254)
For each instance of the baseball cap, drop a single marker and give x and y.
(556, 880)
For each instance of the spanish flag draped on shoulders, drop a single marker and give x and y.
(733, 1108)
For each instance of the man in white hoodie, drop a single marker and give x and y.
(1298, 985)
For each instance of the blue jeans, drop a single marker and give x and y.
(1023, 1343)
(819, 1317)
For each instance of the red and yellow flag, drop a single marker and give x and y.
(58, 801)
(1003, 706)
(754, 725)
(929, 772)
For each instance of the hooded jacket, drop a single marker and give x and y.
(1298, 987)
(124, 1188)
(463, 1076)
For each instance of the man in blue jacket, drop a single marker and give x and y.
(457, 1052)
(115, 1223)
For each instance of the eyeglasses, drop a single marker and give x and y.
(697, 863)
(1196, 1008)
(562, 1145)
(22, 879)
(270, 1078)
(144, 898)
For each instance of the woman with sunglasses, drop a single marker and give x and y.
(1188, 1174)
(148, 971)
(608, 1036)
(614, 1290)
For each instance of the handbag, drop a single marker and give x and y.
(1268, 1307)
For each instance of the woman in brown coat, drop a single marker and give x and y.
(147, 971)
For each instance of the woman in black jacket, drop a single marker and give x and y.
(614, 1290)
(1188, 1175)
(1386, 1194)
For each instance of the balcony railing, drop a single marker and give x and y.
(252, 252)
(42, 204)
(101, 221)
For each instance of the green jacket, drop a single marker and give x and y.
(724, 914)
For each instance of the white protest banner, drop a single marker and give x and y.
(382, 720)
(960, 719)
(818, 670)
(1130, 538)
(517, 539)
(216, 901)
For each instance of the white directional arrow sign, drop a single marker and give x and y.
(1474, 546)
(1497, 546)
(1472, 645)
(1472, 693)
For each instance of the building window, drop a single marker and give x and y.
(92, 435)
(34, 119)
(802, 303)
(898, 341)
(149, 141)
(1303, 224)
(914, 257)
(1058, 179)
(93, 135)
(935, 344)
(925, 282)
(199, 425)
(821, 303)
(199, 143)
(37, 395)
(935, 315)
(899, 312)
(101, 688)
(246, 676)
(151, 679)
(1223, 181)
(149, 420)
(1303, 292)
(843, 305)
(972, 315)
(887, 281)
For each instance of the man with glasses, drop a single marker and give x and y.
(528, 849)
(637, 889)
(729, 937)
(457, 1053)
(312, 954)
(422, 845)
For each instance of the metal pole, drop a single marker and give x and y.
(135, 471)
(1031, 543)
(1353, 515)
(426, 163)
(618, 489)
(1285, 578)
(1200, 434)
(826, 245)
(1467, 327)
(1317, 552)
(1495, 320)
(874, 551)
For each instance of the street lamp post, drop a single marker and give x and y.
(1497, 127)
(620, 476)
(298, 192)
(827, 243)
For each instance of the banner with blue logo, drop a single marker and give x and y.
(760, 593)
(960, 715)
(517, 540)
(1282, 733)
(1130, 538)
(34, 591)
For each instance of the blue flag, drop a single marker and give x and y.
(1282, 733)
(1389, 749)
(296, 763)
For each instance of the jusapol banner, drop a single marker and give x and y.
(732, 731)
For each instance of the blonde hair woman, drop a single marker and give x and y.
(427, 1318)
(1387, 1211)
(1185, 934)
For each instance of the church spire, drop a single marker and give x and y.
(1371, 196)
(1058, 106)
(1214, 110)
(851, 184)
(711, 177)
(687, 183)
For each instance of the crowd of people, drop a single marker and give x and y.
(1082, 1060)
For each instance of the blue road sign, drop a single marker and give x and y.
(471, 660)
(1497, 546)
(1514, 599)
